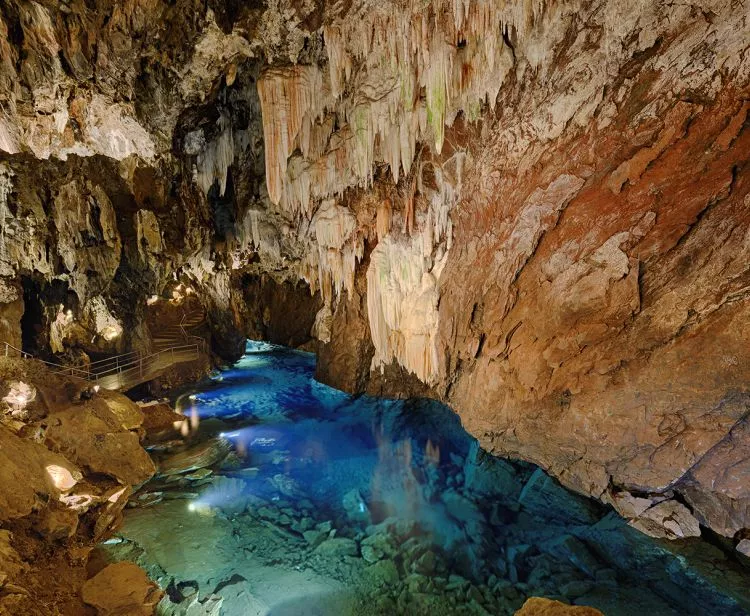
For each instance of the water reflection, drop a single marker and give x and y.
(294, 498)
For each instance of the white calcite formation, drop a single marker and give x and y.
(103, 322)
(403, 279)
(366, 108)
(331, 267)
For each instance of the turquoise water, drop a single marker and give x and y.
(324, 503)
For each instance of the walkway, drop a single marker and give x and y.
(122, 372)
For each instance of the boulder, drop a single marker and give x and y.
(192, 606)
(122, 588)
(537, 606)
(314, 537)
(94, 438)
(667, 520)
(11, 564)
(191, 459)
(743, 547)
(338, 547)
(382, 574)
(29, 470)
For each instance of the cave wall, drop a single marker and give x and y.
(534, 211)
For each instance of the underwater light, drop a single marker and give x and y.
(191, 507)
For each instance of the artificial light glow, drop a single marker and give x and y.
(19, 396)
(194, 418)
(109, 333)
(61, 477)
(116, 496)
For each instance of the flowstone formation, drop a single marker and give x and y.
(537, 212)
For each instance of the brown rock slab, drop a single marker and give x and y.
(193, 458)
(667, 520)
(538, 606)
(99, 444)
(122, 588)
(25, 473)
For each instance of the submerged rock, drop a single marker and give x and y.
(544, 496)
(338, 547)
(197, 457)
(192, 606)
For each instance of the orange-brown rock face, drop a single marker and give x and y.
(595, 317)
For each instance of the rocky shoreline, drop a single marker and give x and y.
(70, 458)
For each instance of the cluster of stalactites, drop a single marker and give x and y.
(416, 69)
(290, 98)
(404, 273)
(330, 264)
(214, 160)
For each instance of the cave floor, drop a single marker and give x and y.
(290, 497)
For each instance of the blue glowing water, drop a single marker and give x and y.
(309, 462)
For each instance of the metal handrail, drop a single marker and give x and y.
(59, 368)
(187, 336)
(143, 359)
(113, 358)
(142, 363)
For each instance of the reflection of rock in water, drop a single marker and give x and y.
(395, 490)
(408, 485)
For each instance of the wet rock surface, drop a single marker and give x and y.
(122, 588)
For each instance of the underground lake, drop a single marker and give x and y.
(289, 497)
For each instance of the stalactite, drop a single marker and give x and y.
(214, 160)
(287, 95)
(399, 51)
(383, 218)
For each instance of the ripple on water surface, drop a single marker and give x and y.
(324, 503)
